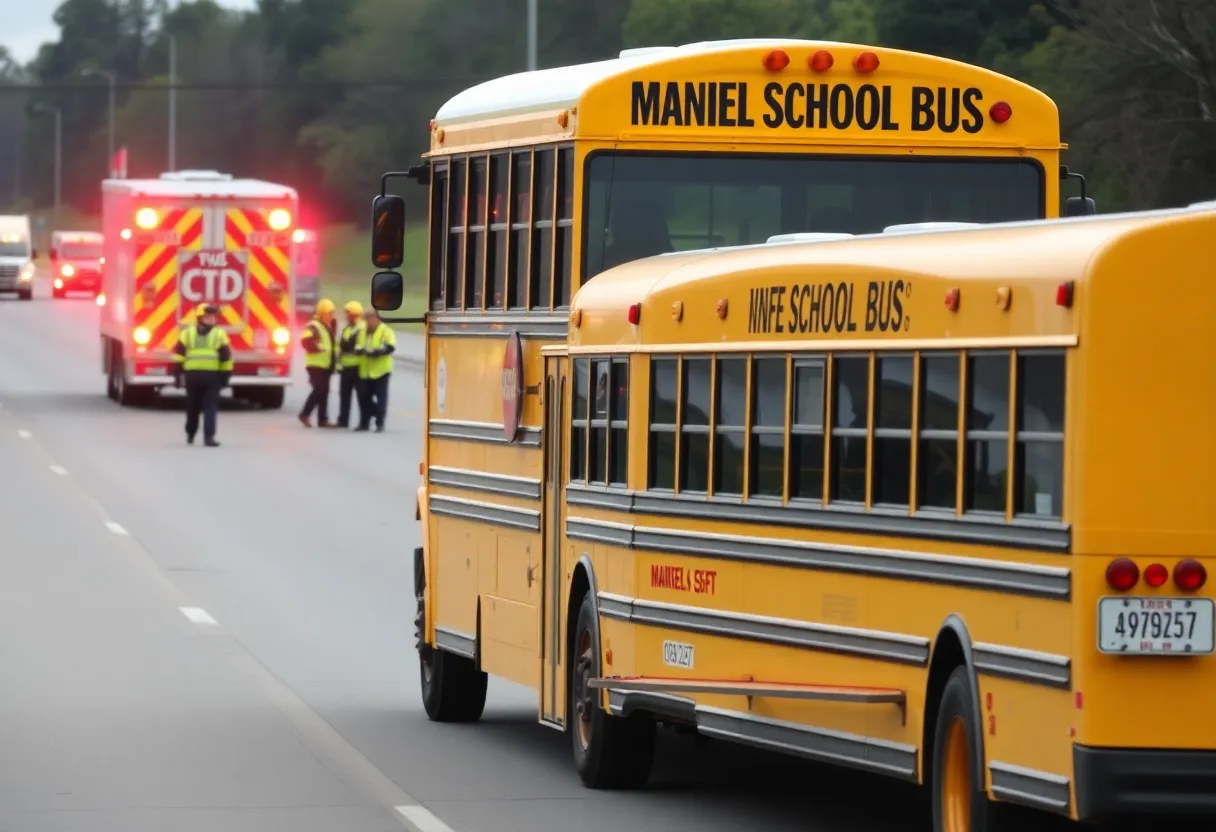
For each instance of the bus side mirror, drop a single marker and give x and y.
(388, 231)
(1080, 206)
(388, 289)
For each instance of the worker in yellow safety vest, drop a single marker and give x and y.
(376, 344)
(320, 351)
(349, 362)
(203, 356)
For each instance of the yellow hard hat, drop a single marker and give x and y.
(200, 310)
(354, 307)
(325, 306)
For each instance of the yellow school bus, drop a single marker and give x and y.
(540, 184)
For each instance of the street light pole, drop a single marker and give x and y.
(172, 103)
(111, 77)
(532, 14)
(47, 108)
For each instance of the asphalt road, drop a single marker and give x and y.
(202, 639)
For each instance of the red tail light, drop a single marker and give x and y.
(1156, 575)
(821, 61)
(635, 313)
(776, 60)
(1000, 112)
(1122, 574)
(1190, 575)
(865, 63)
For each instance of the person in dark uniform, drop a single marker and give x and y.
(204, 358)
(319, 355)
(349, 362)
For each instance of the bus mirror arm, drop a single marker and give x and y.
(1081, 206)
(419, 173)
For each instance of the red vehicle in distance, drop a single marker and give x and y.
(76, 262)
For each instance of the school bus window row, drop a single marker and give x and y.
(928, 431)
(599, 441)
(502, 230)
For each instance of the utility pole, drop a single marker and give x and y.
(532, 14)
(47, 108)
(172, 103)
(110, 77)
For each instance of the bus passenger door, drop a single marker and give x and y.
(553, 516)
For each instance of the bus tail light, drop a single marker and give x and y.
(776, 60)
(1155, 575)
(1000, 112)
(635, 313)
(821, 61)
(865, 63)
(1122, 574)
(1190, 575)
(1064, 294)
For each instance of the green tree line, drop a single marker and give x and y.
(326, 94)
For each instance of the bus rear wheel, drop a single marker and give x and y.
(453, 689)
(609, 752)
(960, 803)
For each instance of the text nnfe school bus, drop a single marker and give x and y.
(542, 181)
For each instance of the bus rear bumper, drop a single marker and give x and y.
(1138, 781)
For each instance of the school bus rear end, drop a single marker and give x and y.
(1142, 462)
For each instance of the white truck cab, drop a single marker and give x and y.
(17, 256)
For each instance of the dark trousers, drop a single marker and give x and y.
(202, 398)
(349, 387)
(375, 401)
(318, 397)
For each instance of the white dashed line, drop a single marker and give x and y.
(422, 819)
(116, 528)
(60, 470)
(197, 615)
(24, 434)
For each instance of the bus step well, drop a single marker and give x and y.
(752, 689)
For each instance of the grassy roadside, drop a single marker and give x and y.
(346, 269)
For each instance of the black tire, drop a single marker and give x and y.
(453, 689)
(267, 398)
(27, 294)
(958, 711)
(609, 752)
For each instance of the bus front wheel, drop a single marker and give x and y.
(453, 689)
(960, 803)
(609, 752)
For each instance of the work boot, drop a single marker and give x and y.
(362, 429)
(304, 420)
(211, 443)
(189, 438)
(379, 428)
(325, 423)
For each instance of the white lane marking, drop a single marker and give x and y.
(422, 819)
(60, 470)
(24, 434)
(197, 615)
(116, 528)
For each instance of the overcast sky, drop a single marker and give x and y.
(28, 24)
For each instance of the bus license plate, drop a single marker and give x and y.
(676, 654)
(1156, 626)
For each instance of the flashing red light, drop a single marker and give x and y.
(1000, 112)
(1122, 574)
(821, 61)
(635, 313)
(1190, 575)
(865, 63)
(1156, 575)
(776, 60)
(952, 299)
(1064, 294)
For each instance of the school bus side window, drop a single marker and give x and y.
(542, 229)
(564, 248)
(987, 465)
(520, 219)
(579, 422)
(618, 413)
(1039, 470)
(438, 237)
(937, 452)
(694, 425)
(664, 385)
(453, 295)
(850, 419)
(597, 465)
(766, 453)
(496, 273)
(892, 474)
(475, 260)
(806, 431)
(730, 425)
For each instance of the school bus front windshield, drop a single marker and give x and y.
(642, 204)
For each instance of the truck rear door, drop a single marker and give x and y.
(258, 237)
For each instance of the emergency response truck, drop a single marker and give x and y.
(308, 272)
(187, 238)
(76, 262)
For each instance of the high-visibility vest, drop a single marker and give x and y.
(324, 358)
(379, 365)
(204, 354)
(349, 358)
